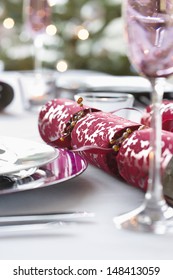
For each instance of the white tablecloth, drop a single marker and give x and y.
(93, 191)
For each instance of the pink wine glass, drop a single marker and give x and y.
(149, 35)
(37, 16)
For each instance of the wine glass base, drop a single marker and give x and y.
(144, 220)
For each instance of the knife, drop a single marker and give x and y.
(41, 221)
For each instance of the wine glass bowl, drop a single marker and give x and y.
(149, 30)
(149, 36)
(36, 16)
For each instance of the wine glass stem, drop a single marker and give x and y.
(38, 44)
(154, 194)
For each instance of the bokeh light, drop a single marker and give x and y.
(83, 33)
(8, 23)
(51, 29)
(62, 66)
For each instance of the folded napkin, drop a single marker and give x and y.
(114, 144)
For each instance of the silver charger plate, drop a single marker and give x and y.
(20, 154)
(65, 166)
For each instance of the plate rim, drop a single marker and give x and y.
(52, 183)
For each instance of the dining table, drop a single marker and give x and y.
(92, 191)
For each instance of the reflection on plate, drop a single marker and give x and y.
(66, 166)
(18, 154)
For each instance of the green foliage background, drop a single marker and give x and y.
(102, 51)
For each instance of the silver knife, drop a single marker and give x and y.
(41, 221)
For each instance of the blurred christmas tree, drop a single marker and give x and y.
(85, 34)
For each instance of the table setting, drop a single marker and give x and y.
(83, 191)
(86, 160)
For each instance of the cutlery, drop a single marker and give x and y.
(41, 221)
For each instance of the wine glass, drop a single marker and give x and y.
(149, 35)
(37, 16)
(40, 86)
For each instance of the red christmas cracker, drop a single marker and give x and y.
(166, 111)
(55, 118)
(124, 145)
